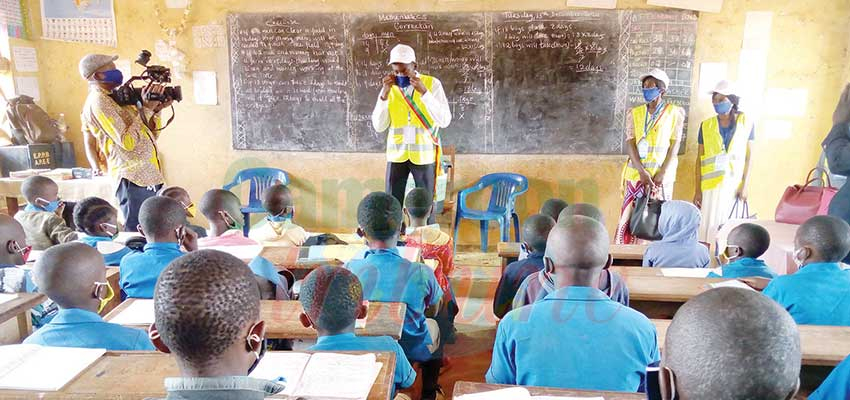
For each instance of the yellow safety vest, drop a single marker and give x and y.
(423, 152)
(719, 163)
(657, 138)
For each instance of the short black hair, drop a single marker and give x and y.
(159, 215)
(535, 231)
(330, 297)
(553, 208)
(584, 210)
(418, 202)
(379, 215)
(753, 239)
(203, 303)
(216, 200)
(828, 235)
(35, 187)
(90, 212)
(277, 198)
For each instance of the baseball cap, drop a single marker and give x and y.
(92, 62)
(402, 53)
(723, 87)
(657, 74)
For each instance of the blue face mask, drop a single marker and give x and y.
(51, 205)
(651, 94)
(402, 81)
(113, 76)
(723, 107)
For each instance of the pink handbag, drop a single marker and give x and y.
(800, 203)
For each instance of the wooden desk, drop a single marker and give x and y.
(463, 387)
(140, 375)
(661, 296)
(624, 254)
(19, 307)
(113, 277)
(282, 322)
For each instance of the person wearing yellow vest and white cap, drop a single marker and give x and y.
(653, 134)
(414, 108)
(723, 163)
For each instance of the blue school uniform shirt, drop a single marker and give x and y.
(576, 338)
(74, 327)
(404, 373)
(388, 277)
(139, 271)
(681, 255)
(111, 259)
(745, 268)
(511, 280)
(817, 294)
(836, 385)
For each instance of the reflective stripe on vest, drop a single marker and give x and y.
(658, 139)
(401, 116)
(713, 174)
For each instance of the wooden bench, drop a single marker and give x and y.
(624, 254)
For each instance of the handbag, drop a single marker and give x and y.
(644, 221)
(799, 203)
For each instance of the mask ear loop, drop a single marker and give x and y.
(153, 334)
(254, 338)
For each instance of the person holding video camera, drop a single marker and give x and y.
(116, 138)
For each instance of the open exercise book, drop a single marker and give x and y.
(517, 393)
(34, 367)
(321, 375)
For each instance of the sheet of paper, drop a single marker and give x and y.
(123, 237)
(734, 283)
(512, 393)
(208, 36)
(240, 252)
(780, 102)
(140, 312)
(206, 88)
(752, 77)
(757, 30)
(353, 376)
(27, 85)
(79, 21)
(4, 297)
(109, 247)
(25, 59)
(699, 5)
(32, 367)
(686, 272)
(777, 129)
(709, 75)
(284, 367)
(176, 3)
(609, 4)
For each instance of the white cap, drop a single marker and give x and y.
(723, 87)
(402, 53)
(657, 74)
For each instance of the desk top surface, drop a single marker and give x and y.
(20, 303)
(463, 387)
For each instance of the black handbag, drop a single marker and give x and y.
(644, 221)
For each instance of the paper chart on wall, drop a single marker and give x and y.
(86, 21)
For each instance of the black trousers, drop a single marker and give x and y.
(130, 197)
(423, 175)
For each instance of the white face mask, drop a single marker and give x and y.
(797, 259)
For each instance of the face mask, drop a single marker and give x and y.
(109, 229)
(51, 205)
(191, 209)
(284, 215)
(232, 223)
(114, 76)
(651, 94)
(249, 341)
(402, 81)
(797, 259)
(725, 258)
(98, 288)
(23, 251)
(723, 107)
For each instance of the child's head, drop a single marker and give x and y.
(182, 197)
(14, 241)
(207, 310)
(747, 241)
(582, 209)
(748, 341)
(418, 204)
(73, 275)
(577, 251)
(162, 220)
(332, 299)
(553, 208)
(679, 221)
(278, 201)
(222, 209)
(823, 238)
(379, 216)
(41, 192)
(535, 231)
(96, 217)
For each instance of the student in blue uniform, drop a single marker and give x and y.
(215, 335)
(73, 275)
(745, 244)
(678, 225)
(332, 299)
(97, 222)
(819, 293)
(576, 337)
(836, 385)
(388, 277)
(749, 351)
(535, 230)
(163, 223)
(14, 279)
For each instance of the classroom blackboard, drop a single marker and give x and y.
(542, 82)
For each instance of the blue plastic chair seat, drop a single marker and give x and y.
(506, 187)
(479, 215)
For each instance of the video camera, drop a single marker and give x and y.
(127, 94)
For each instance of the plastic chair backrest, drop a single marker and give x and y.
(505, 188)
(261, 179)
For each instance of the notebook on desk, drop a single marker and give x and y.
(517, 393)
(308, 375)
(34, 367)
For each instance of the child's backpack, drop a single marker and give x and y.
(30, 123)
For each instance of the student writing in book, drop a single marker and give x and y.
(745, 244)
(14, 279)
(386, 276)
(216, 336)
(163, 223)
(678, 225)
(277, 228)
(97, 222)
(42, 217)
(73, 275)
(576, 337)
(182, 197)
(222, 210)
(535, 231)
(332, 299)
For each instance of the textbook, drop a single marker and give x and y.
(34, 367)
(517, 393)
(308, 376)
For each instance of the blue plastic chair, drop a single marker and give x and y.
(261, 180)
(502, 207)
